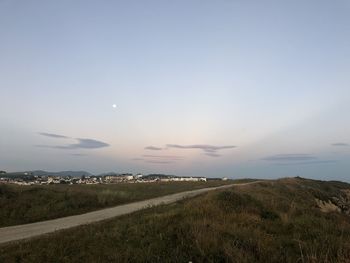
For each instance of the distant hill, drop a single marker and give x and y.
(62, 173)
(113, 174)
(26, 174)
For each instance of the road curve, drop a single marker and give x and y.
(14, 233)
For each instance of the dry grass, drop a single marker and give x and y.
(267, 222)
(26, 204)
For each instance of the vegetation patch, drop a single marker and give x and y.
(266, 222)
(26, 204)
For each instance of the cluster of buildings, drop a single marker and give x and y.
(139, 178)
(29, 179)
(46, 180)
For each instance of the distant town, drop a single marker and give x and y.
(76, 177)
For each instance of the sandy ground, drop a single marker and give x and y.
(14, 233)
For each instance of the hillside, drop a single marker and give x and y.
(272, 221)
(26, 204)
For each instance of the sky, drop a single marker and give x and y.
(199, 88)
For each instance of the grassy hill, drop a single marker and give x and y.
(26, 204)
(287, 220)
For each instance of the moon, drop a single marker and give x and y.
(114, 105)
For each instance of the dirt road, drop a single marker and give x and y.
(14, 233)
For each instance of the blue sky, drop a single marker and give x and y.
(191, 79)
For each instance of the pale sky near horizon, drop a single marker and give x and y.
(190, 80)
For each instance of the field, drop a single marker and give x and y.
(26, 204)
(272, 221)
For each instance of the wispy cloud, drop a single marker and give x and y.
(82, 143)
(137, 159)
(310, 162)
(341, 144)
(213, 154)
(85, 144)
(159, 159)
(169, 157)
(296, 159)
(209, 150)
(290, 157)
(204, 147)
(53, 135)
(160, 162)
(79, 154)
(153, 148)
